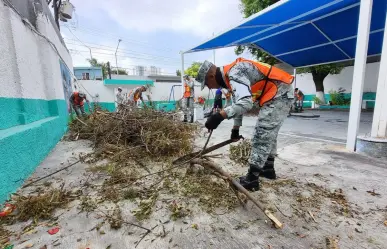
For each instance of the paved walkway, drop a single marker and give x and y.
(321, 193)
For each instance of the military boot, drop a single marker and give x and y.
(268, 170)
(251, 180)
(185, 119)
(192, 119)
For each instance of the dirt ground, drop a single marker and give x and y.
(325, 197)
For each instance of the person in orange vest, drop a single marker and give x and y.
(252, 83)
(188, 98)
(228, 94)
(135, 95)
(298, 99)
(76, 100)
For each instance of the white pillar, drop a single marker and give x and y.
(379, 123)
(182, 73)
(363, 34)
(295, 77)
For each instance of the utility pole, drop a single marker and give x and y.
(109, 71)
(119, 40)
(56, 5)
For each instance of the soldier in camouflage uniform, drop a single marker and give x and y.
(252, 83)
(188, 97)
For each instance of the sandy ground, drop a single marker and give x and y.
(321, 193)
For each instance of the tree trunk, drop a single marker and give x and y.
(318, 79)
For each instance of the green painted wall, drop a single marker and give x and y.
(110, 106)
(26, 140)
(366, 96)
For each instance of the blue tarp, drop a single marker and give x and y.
(305, 32)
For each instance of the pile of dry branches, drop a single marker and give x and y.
(139, 132)
(240, 153)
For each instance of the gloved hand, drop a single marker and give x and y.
(235, 135)
(213, 121)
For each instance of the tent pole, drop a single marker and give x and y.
(182, 73)
(363, 34)
(379, 122)
(295, 77)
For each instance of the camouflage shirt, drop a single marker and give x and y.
(242, 76)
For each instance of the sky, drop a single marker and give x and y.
(153, 32)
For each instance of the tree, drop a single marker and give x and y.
(250, 7)
(120, 71)
(178, 72)
(94, 63)
(319, 73)
(193, 69)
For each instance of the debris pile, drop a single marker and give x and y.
(240, 153)
(138, 133)
(38, 206)
(306, 198)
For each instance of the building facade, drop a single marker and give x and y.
(88, 73)
(36, 76)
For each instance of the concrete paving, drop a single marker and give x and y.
(311, 153)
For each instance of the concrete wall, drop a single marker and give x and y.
(34, 82)
(344, 79)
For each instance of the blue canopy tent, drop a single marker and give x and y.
(312, 32)
(303, 33)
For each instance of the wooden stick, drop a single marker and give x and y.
(81, 121)
(240, 188)
(311, 215)
(53, 173)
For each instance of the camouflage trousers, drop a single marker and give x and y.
(188, 107)
(270, 119)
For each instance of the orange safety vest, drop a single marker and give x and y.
(137, 94)
(263, 90)
(228, 95)
(78, 100)
(187, 91)
(299, 96)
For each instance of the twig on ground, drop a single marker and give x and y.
(125, 222)
(214, 155)
(281, 211)
(311, 215)
(53, 173)
(239, 199)
(145, 234)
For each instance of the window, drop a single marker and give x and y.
(85, 76)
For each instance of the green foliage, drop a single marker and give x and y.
(178, 72)
(338, 97)
(323, 69)
(250, 7)
(193, 69)
(317, 100)
(120, 71)
(95, 63)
